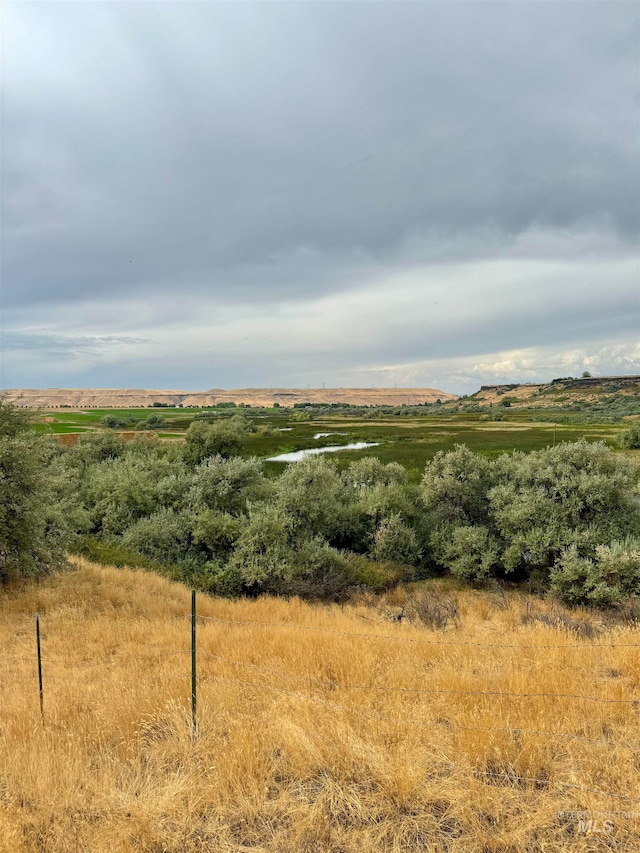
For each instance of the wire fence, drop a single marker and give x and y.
(335, 685)
(423, 640)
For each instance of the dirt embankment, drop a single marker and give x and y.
(107, 398)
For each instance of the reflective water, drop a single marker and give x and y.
(297, 455)
(327, 434)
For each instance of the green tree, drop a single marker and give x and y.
(110, 421)
(227, 485)
(455, 487)
(98, 447)
(203, 440)
(152, 422)
(14, 419)
(216, 533)
(33, 532)
(312, 494)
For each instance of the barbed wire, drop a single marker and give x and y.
(336, 685)
(425, 690)
(108, 662)
(511, 777)
(426, 641)
(412, 720)
(112, 661)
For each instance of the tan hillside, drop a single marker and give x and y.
(107, 398)
(321, 728)
(560, 392)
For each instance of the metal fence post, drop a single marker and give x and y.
(194, 725)
(39, 666)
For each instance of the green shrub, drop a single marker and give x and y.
(221, 438)
(469, 552)
(164, 536)
(312, 495)
(98, 447)
(522, 513)
(34, 488)
(455, 487)
(271, 557)
(630, 438)
(227, 485)
(216, 533)
(395, 542)
(120, 491)
(577, 493)
(377, 576)
(612, 575)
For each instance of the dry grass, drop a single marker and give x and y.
(290, 756)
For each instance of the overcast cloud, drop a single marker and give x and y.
(206, 194)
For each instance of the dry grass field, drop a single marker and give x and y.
(320, 728)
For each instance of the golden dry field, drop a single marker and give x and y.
(320, 728)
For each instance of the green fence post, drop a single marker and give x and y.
(194, 727)
(39, 666)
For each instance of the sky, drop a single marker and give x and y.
(207, 195)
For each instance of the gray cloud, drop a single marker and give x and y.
(167, 163)
(69, 346)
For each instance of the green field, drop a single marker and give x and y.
(414, 442)
(58, 429)
(409, 440)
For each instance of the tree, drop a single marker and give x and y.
(455, 487)
(14, 420)
(272, 557)
(203, 440)
(312, 494)
(98, 447)
(110, 421)
(152, 422)
(119, 491)
(32, 530)
(227, 485)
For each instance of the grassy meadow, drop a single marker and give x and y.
(320, 727)
(409, 440)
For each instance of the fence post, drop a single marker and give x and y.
(39, 666)
(194, 726)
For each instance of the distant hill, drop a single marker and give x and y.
(123, 398)
(559, 393)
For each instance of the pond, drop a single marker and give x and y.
(297, 455)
